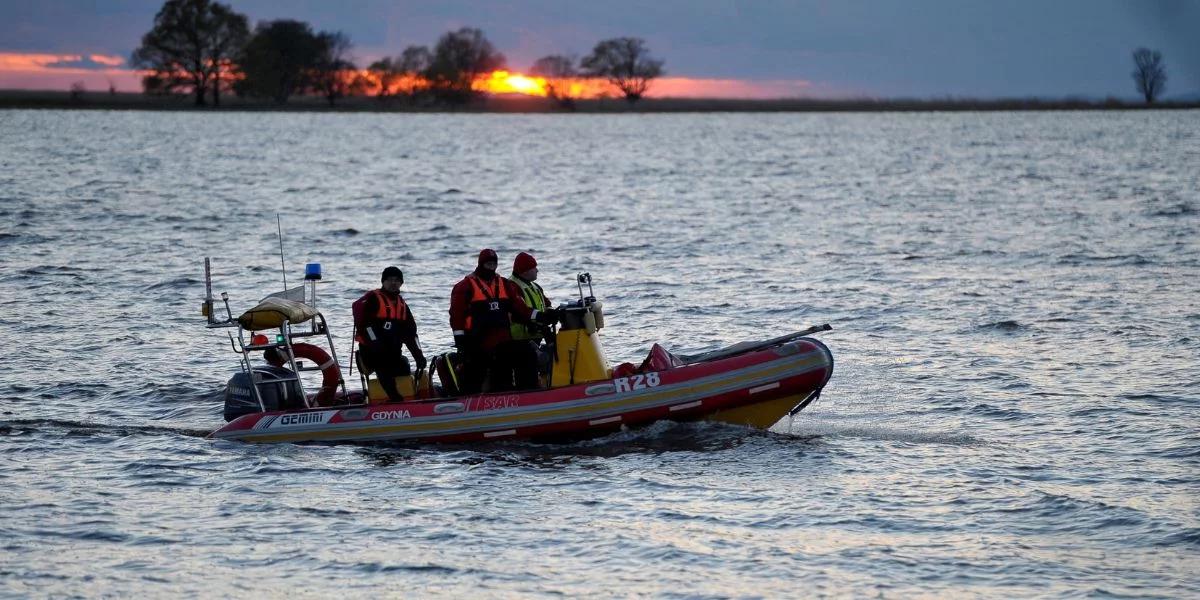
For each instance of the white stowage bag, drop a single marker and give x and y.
(272, 312)
(593, 319)
(598, 313)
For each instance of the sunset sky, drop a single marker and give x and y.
(755, 49)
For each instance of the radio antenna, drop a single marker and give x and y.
(282, 265)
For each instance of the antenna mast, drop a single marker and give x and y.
(282, 266)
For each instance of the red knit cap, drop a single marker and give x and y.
(487, 255)
(524, 262)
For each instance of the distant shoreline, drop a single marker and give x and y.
(30, 99)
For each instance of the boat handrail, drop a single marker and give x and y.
(744, 347)
(284, 340)
(285, 329)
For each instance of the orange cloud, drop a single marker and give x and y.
(10, 61)
(42, 71)
(111, 61)
(20, 61)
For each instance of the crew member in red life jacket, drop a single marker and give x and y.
(483, 307)
(384, 326)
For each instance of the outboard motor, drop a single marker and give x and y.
(278, 386)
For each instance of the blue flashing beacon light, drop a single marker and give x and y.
(312, 271)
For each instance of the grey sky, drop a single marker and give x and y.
(878, 47)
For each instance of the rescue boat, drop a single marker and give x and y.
(753, 384)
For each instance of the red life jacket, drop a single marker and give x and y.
(390, 309)
(393, 311)
(489, 305)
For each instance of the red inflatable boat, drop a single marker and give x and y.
(752, 383)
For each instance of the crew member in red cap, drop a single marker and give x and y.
(483, 307)
(383, 324)
(527, 338)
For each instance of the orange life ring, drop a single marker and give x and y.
(331, 374)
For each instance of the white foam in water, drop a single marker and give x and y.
(875, 431)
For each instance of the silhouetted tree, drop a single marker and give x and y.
(626, 63)
(333, 73)
(279, 61)
(560, 75)
(415, 59)
(384, 74)
(1149, 73)
(190, 47)
(458, 59)
(78, 89)
(401, 75)
(414, 62)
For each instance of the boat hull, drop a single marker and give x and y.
(754, 389)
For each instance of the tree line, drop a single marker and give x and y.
(206, 49)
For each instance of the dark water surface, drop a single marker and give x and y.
(1016, 325)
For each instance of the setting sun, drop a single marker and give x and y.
(505, 82)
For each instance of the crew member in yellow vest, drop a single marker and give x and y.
(525, 274)
(526, 338)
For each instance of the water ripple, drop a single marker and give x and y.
(1012, 294)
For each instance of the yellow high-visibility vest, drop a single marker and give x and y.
(534, 298)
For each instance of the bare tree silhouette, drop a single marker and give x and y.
(279, 60)
(1149, 73)
(333, 71)
(560, 75)
(385, 73)
(458, 59)
(190, 47)
(626, 63)
(402, 75)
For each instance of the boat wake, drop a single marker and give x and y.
(79, 428)
(661, 437)
(883, 433)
